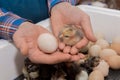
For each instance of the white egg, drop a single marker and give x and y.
(114, 61)
(105, 53)
(47, 42)
(94, 50)
(102, 43)
(96, 75)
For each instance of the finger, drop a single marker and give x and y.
(81, 55)
(56, 25)
(76, 57)
(86, 26)
(61, 45)
(57, 57)
(73, 50)
(82, 43)
(24, 48)
(67, 49)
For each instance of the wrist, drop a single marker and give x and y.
(25, 25)
(52, 3)
(61, 6)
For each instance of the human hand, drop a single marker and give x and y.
(25, 38)
(64, 13)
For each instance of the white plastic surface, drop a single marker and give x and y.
(11, 61)
(103, 20)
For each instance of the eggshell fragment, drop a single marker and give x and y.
(47, 42)
(103, 67)
(94, 50)
(102, 43)
(105, 53)
(114, 61)
(96, 75)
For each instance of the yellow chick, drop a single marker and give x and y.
(70, 35)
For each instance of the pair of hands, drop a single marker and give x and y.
(26, 36)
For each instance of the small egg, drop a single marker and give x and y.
(116, 47)
(94, 50)
(114, 61)
(103, 67)
(106, 53)
(99, 35)
(96, 75)
(102, 43)
(47, 42)
(83, 75)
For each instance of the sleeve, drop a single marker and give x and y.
(52, 3)
(9, 23)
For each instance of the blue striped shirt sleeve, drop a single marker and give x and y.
(9, 23)
(52, 3)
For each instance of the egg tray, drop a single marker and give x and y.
(46, 70)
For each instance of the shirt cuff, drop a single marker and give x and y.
(9, 23)
(52, 3)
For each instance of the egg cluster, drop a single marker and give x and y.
(109, 54)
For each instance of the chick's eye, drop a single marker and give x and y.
(66, 36)
(70, 29)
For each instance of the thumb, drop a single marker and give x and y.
(24, 48)
(86, 26)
